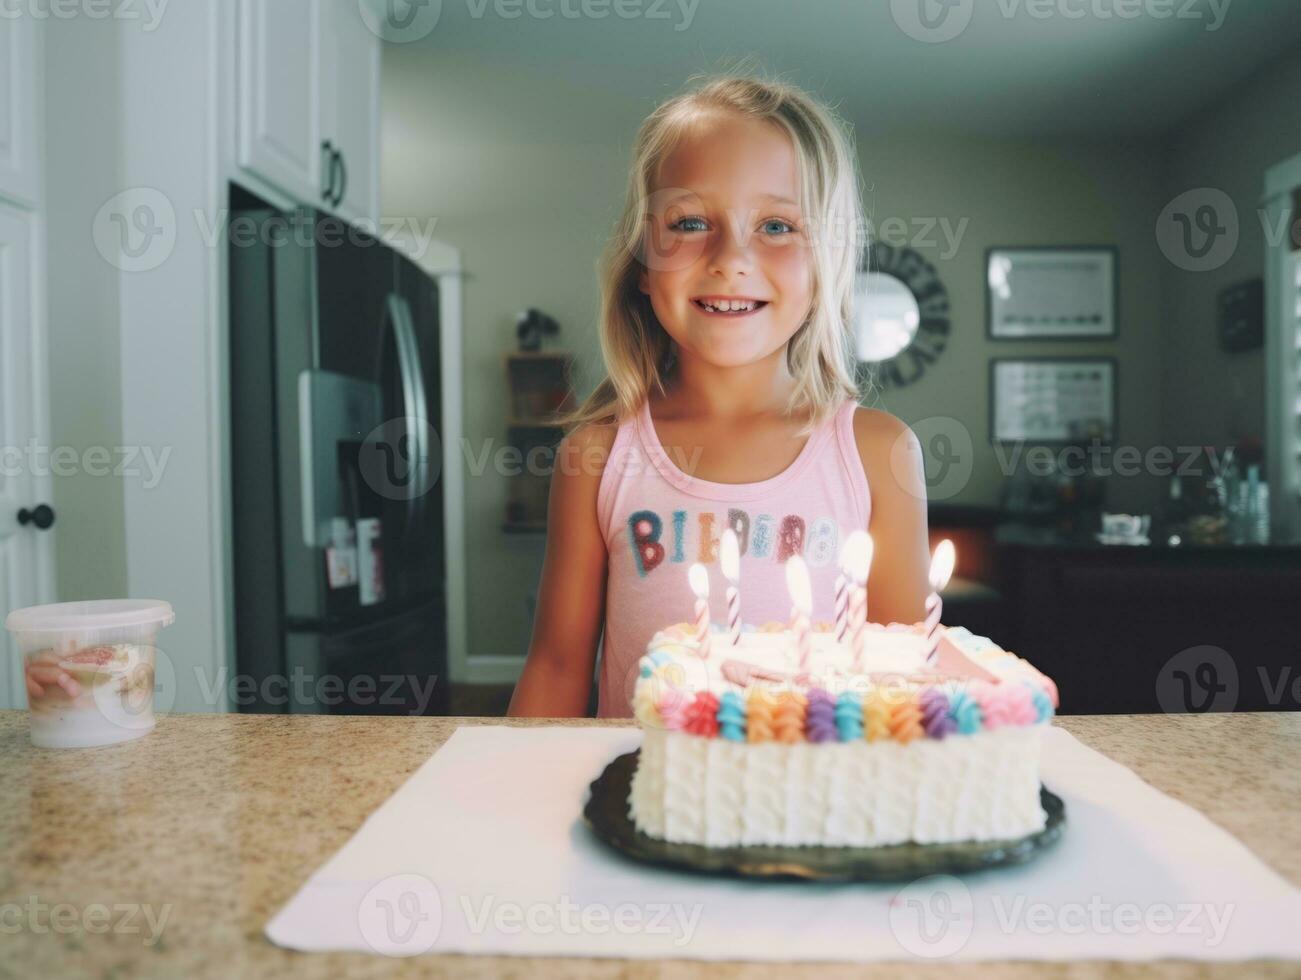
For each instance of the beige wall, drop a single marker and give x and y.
(81, 173)
(1211, 396)
(1032, 192)
(531, 216)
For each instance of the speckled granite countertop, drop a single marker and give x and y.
(215, 821)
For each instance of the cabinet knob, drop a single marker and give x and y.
(42, 515)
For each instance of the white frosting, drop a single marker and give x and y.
(718, 793)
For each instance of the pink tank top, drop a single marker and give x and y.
(657, 521)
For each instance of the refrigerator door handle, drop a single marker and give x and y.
(416, 421)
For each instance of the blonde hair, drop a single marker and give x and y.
(637, 350)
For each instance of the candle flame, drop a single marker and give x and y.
(942, 564)
(797, 583)
(699, 579)
(729, 556)
(856, 557)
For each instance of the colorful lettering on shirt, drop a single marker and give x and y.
(708, 541)
(739, 521)
(644, 528)
(679, 535)
(790, 539)
(762, 536)
(823, 544)
(818, 541)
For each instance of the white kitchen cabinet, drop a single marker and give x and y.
(350, 110)
(309, 102)
(19, 75)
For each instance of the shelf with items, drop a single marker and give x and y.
(540, 389)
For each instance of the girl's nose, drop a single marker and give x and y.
(731, 253)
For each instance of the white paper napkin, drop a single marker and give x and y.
(483, 850)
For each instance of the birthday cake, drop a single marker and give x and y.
(776, 736)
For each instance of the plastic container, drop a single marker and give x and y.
(93, 666)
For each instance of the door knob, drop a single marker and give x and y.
(42, 515)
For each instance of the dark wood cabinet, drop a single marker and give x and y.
(1157, 628)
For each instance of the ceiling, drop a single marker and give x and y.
(1004, 72)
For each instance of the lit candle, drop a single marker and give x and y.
(730, 558)
(857, 559)
(797, 583)
(941, 568)
(699, 579)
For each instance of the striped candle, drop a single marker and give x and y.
(941, 568)
(729, 557)
(857, 559)
(699, 580)
(842, 607)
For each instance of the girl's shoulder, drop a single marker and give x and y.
(885, 442)
(877, 424)
(585, 449)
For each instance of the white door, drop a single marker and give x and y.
(19, 105)
(279, 94)
(26, 552)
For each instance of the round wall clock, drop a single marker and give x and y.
(901, 316)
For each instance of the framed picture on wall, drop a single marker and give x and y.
(1052, 399)
(1065, 292)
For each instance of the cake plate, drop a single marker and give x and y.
(606, 813)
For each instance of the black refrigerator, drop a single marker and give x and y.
(336, 450)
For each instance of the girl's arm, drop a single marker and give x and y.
(557, 677)
(896, 477)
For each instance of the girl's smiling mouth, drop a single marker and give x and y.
(728, 306)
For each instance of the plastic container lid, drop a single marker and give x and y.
(91, 614)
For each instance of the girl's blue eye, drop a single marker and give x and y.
(784, 227)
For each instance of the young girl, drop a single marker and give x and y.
(729, 402)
